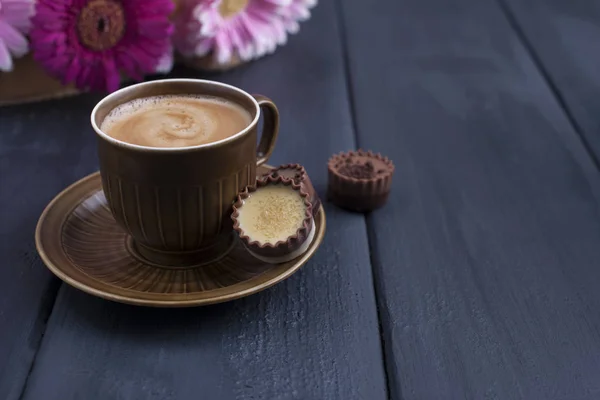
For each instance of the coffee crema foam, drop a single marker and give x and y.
(175, 121)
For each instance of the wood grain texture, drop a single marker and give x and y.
(43, 148)
(564, 37)
(486, 256)
(315, 336)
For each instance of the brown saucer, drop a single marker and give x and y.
(80, 242)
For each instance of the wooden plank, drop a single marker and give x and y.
(486, 256)
(563, 36)
(42, 149)
(314, 336)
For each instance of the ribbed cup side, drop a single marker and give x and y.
(176, 217)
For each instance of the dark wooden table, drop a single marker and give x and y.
(479, 280)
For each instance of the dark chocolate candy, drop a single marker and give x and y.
(359, 181)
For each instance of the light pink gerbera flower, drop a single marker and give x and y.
(247, 29)
(14, 26)
(92, 42)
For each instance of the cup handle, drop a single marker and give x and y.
(270, 128)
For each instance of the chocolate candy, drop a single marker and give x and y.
(359, 180)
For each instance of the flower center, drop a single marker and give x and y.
(101, 24)
(229, 8)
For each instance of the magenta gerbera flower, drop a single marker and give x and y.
(247, 29)
(92, 42)
(14, 25)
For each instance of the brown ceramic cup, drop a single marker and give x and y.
(175, 202)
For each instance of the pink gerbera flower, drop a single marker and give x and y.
(91, 42)
(247, 29)
(14, 25)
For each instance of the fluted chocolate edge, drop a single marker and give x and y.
(304, 180)
(282, 247)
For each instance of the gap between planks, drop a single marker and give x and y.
(547, 77)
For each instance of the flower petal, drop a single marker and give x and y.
(96, 82)
(72, 71)
(244, 48)
(83, 77)
(280, 3)
(165, 64)
(155, 28)
(15, 41)
(17, 13)
(250, 27)
(292, 26)
(203, 47)
(210, 23)
(6, 63)
(223, 48)
(125, 62)
(299, 13)
(112, 80)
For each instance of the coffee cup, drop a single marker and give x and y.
(175, 201)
